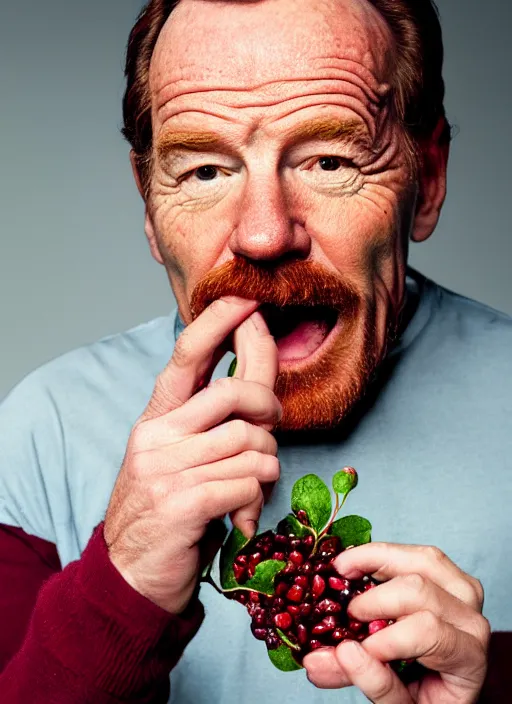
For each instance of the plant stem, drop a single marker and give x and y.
(337, 508)
(209, 580)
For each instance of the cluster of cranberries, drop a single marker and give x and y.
(310, 602)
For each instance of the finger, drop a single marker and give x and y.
(265, 468)
(386, 560)
(218, 498)
(246, 518)
(194, 353)
(435, 644)
(324, 671)
(219, 443)
(404, 595)
(224, 398)
(375, 679)
(256, 352)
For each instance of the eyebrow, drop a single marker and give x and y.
(323, 129)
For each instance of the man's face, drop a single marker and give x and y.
(277, 156)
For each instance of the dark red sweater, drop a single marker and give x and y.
(82, 635)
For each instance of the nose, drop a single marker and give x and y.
(266, 229)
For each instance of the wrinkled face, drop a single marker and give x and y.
(280, 173)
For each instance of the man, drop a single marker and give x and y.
(286, 152)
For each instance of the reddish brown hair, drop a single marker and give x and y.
(418, 86)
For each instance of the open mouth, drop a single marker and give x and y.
(299, 331)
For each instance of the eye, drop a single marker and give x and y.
(206, 173)
(330, 163)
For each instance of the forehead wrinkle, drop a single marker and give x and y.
(272, 92)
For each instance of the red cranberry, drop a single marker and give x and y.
(307, 568)
(375, 626)
(240, 572)
(273, 640)
(308, 541)
(295, 593)
(302, 516)
(282, 588)
(355, 626)
(322, 628)
(297, 558)
(278, 604)
(279, 556)
(255, 558)
(294, 610)
(315, 644)
(305, 609)
(330, 547)
(302, 634)
(302, 581)
(340, 634)
(318, 586)
(329, 606)
(339, 583)
(260, 633)
(259, 618)
(254, 597)
(283, 620)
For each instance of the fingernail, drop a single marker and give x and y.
(259, 323)
(251, 528)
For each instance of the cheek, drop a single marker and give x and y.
(191, 242)
(355, 233)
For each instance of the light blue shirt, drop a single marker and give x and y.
(433, 450)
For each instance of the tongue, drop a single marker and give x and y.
(303, 340)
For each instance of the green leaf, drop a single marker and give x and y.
(343, 482)
(295, 527)
(264, 575)
(286, 640)
(235, 542)
(283, 659)
(352, 530)
(232, 368)
(312, 495)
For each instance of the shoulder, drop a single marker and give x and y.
(481, 330)
(77, 407)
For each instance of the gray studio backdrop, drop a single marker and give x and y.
(73, 260)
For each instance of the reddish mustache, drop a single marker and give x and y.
(294, 283)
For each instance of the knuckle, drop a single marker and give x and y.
(429, 624)
(483, 631)
(158, 491)
(434, 554)
(272, 468)
(383, 687)
(203, 503)
(140, 437)
(478, 588)
(254, 492)
(240, 431)
(183, 351)
(416, 583)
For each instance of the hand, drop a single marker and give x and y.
(193, 457)
(437, 609)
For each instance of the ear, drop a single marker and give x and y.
(432, 183)
(149, 228)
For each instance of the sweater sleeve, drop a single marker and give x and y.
(90, 637)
